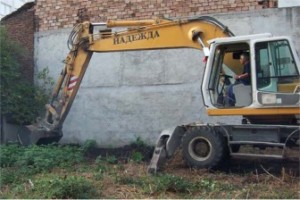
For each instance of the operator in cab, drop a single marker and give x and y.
(244, 78)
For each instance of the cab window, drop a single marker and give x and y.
(275, 66)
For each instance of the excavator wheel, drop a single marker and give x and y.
(202, 147)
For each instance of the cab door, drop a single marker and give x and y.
(223, 65)
(276, 81)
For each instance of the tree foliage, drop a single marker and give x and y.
(21, 101)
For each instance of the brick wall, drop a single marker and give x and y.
(20, 28)
(56, 14)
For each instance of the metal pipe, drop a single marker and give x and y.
(205, 49)
(200, 41)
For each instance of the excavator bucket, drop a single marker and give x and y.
(37, 134)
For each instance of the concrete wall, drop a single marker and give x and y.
(138, 94)
(288, 3)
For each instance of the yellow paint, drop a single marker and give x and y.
(254, 111)
(288, 87)
(233, 64)
(172, 34)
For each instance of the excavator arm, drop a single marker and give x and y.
(134, 35)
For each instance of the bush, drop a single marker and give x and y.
(21, 101)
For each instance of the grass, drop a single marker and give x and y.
(59, 172)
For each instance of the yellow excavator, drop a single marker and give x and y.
(269, 104)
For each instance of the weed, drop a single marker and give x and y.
(226, 187)
(99, 160)
(10, 154)
(42, 158)
(138, 142)
(63, 188)
(82, 168)
(144, 150)
(137, 157)
(111, 159)
(126, 180)
(88, 144)
(98, 175)
(171, 183)
(7, 176)
(100, 168)
(268, 192)
(18, 162)
(155, 184)
(207, 184)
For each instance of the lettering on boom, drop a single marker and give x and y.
(136, 37)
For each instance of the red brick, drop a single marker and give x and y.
(20, 27)
(133, 9)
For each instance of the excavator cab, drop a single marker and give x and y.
(274, 75)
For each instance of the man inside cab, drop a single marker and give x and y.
(244, 78)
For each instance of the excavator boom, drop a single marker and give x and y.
(134, 35)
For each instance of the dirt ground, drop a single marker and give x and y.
(259, 176)
(236, 165)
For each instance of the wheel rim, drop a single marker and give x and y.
(200, 148)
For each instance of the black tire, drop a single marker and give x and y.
(202, 147)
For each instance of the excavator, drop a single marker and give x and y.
(269, 105)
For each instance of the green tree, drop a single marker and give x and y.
(21, 101)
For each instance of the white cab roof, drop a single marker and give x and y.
(240, 38)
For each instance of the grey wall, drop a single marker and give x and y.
(138, 94)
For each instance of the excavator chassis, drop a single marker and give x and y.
(222, 141)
